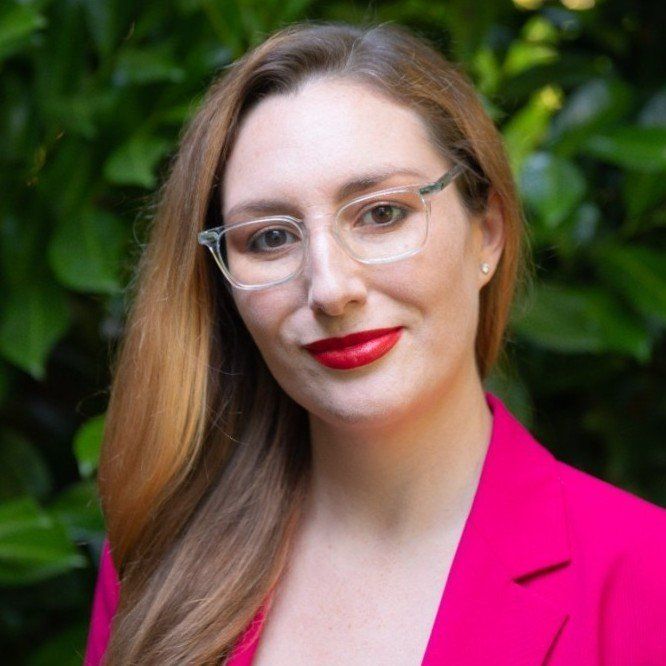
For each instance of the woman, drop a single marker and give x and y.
(300, 463)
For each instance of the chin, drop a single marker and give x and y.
(378, 414)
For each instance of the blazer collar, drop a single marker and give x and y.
(516, 529)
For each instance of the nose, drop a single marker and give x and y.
(333, 277)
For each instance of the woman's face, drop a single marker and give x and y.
(300, 148)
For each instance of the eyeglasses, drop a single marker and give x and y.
(375, 228)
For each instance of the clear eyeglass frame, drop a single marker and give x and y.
(210, 238)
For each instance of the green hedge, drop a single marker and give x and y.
(94, 94)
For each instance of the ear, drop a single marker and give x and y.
(492, 236)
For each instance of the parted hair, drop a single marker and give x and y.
(205, 459)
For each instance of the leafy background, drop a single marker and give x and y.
(94, 94)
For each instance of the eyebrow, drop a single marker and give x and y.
(355, 185)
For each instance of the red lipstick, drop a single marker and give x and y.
(355, 349)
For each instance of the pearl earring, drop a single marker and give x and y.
(485, 268)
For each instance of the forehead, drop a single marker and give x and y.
(320, 136)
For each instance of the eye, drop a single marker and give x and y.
(273, 238)
(384, 214)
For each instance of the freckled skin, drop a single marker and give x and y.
(301, 147)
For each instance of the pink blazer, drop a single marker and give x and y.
(554, 567)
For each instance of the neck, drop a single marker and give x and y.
(406, 480)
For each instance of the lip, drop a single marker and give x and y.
(355, 349)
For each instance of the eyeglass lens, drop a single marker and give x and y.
(374, 229)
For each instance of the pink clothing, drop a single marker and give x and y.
(105, 602)
(554, 566)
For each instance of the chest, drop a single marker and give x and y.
(332, 613)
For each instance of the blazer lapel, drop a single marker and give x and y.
(516, 529)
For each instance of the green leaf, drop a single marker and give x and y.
(593, 107)
(34, 317)
(642, 192)
(526, 128)
(17, 23)
(292, 10)
(85, 252)
(487, 70)
(653, 114)
(638, 148)
(571, 320)
(135, 161)
(579, 230)
(639, 273)
(226, 19)
(23, 470)
(147, 65)
(81, 113)
(60, 63)
(538, 29)
(16, 142)
(176, 115)
(87, 445)
(78, 509)
(103, 24)
(69, 178)
(33, 546)
(552, 187)
(526, 55)
(20, 249)
(4, 381)
(64, 649)
(569, 70)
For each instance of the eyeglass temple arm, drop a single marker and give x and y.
(444, 180)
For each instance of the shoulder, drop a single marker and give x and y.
(612, 515)
(618, 546)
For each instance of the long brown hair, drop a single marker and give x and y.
(205, 459)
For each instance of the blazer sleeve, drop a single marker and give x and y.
(634, 612)
(105, 603)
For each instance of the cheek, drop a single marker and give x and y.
(443, 269)
(263, 314)
(258, 313)
(448, 288)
